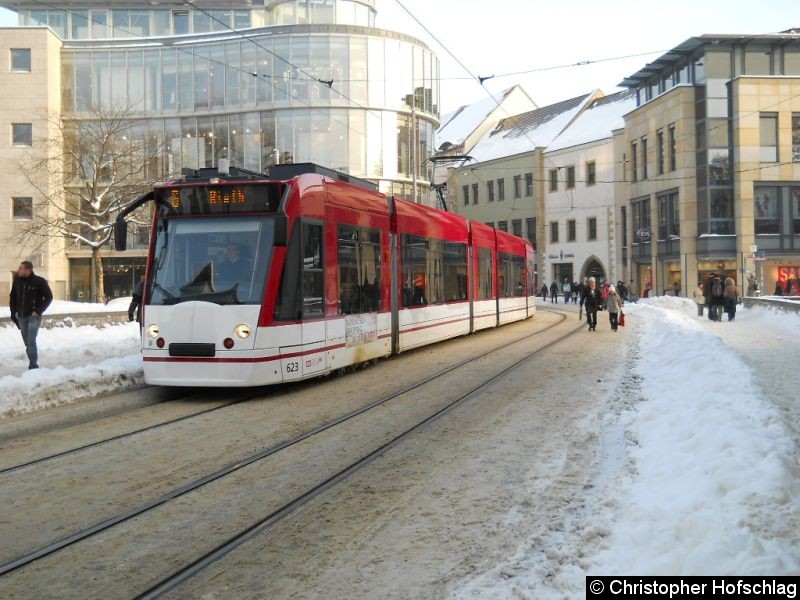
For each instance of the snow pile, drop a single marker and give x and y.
(76, 362)
(65, 307)
(712, 461)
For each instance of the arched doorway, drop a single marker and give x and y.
(593, 268)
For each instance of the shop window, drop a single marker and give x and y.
(20, 60)
(767, 210)
(359, 252)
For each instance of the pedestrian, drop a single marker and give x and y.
(614, 304)
(778, 289)
(699, 298)
(603, 294)
(136, 303)
(574, 288)
(30, 297)
(717, 297)
(591, 302)
(730, 298)
(544, 292)
(554, 292)
(752, 286)
(647, 288)
(566, 288)
(676, 289)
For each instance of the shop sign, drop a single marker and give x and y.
(644, 233)
(786, 273)
(760, 255)
(561, 255)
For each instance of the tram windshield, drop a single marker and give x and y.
(222, 260)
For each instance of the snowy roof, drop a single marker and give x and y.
(528, 131)
(459, 124)
(597, 121)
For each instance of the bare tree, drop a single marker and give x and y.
(85, 171)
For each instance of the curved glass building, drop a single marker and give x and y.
(256, 83)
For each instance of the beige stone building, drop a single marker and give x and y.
(708, 176)
(30, 80)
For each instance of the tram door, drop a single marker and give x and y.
(303, 353)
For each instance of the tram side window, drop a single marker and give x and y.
(455, 272)
(359, 269)
(485, 268)
(300, 294)
(415, 263)
(511, 275)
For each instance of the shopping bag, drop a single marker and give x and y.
(621, 319)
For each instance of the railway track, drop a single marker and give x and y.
(289, 507)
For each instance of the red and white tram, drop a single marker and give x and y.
(255, 280)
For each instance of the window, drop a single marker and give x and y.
(571, 230)
(510, 275)
(359, 269)
(433, 272)
(592, 228)
(570, 177)
(554, 232)
(553, 180)
(660, 149)
(516, 227)
(474, 193)
(517, 186)
(672, 148)
(640, 216)
(501, 190)
(465, 191)
(795, 137)
(22, 209)
(795, 196)
(767, 210)
(529, 185)
(180, 22)
(490, 223)
(624, 225)
(301, 291)
(721, 221)
(634, 165)
(21, 134)
(768, 125)
(80, 24)
(591, 173)
(99, 23)
(502, 225)
(20, 60)
(490, 191)
(530, 224)
(484, 274)
(644, 158)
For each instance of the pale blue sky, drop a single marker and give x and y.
(502, 36)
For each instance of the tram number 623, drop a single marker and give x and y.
(292, 367)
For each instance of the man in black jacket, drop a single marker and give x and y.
(591, 302)
(30, 297)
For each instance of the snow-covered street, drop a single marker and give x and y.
(684, 461)
(700, 471)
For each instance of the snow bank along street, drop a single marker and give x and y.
(76, 362)
(700, 467)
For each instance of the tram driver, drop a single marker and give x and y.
(236, 267)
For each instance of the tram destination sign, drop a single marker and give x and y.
(214, 199)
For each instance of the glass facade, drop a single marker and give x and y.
(266, 100)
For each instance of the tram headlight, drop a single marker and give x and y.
(242, 331)
(152, 330)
